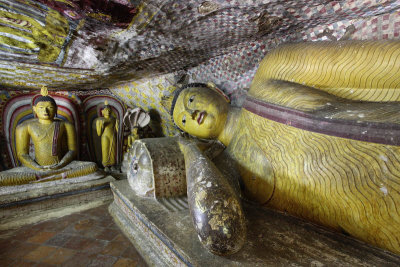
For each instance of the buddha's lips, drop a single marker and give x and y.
(200, 118)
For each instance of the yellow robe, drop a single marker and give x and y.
(320, 156)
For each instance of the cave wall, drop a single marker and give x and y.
(97, 44)
(278, 23)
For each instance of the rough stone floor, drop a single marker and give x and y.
(87, 238)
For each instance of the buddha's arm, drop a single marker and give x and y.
(215, 207)
(321, 104)
(99, 126)
(366, 71)
(22, 140)
(70, 155)
(293, 95)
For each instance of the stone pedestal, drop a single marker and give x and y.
(31, 203)
(163, 233)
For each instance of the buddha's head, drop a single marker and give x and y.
(200, 110)
(45, 106)
(106, 111)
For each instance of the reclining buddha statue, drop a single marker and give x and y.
(55, 146)
(318, 137)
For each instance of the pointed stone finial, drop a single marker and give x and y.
(44, 91)
(106, 103)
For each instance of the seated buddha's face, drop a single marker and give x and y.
(201, 112)
(45, 110)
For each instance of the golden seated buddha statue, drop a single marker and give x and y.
(54, 141)
(318, 136)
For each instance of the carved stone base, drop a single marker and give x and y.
(27, 204)
(165, 237)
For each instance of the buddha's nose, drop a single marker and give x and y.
(194, 114)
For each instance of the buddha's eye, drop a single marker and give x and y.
(184, 120)
(191, 99)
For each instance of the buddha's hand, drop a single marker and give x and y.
(48, 167)
(184, 142)
(39, 167)
(99, 126)
(44, 168)
(54, 166)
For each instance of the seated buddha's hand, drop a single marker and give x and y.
(54, 166)
(49, 167)
(44, 168)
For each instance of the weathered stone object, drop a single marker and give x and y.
(157, 168)
(215, 207)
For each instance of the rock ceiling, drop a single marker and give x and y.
(94, 44)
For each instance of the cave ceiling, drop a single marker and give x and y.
(94, 44)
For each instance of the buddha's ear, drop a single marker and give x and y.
(212, 86)
(166, 102)
(34, 109)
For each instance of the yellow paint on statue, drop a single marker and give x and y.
(348, 184)
(133, 137)
(359, 72)
(193, 111)
(55, 147)
(42, 132)
(107, 127)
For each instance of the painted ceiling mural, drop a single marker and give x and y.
(138, 49)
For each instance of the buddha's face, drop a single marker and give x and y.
(45, 110)
(106, 112)
(201, 112)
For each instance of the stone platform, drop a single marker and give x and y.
(31, 203)
(165, 236)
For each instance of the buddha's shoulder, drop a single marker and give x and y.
(27, 123)
(34, 122)
(104, 119)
